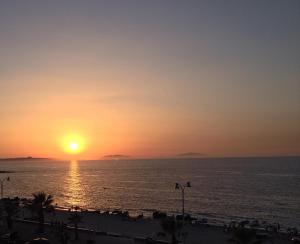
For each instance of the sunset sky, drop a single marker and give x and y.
(150, 78)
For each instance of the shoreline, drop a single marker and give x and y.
(103, 224)
(116, 226)
(203, 218)
(211, 219)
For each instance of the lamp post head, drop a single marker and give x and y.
(176, 186)
(188, 184)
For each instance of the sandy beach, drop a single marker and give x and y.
(112, 228)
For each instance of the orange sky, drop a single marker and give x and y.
(214, 80)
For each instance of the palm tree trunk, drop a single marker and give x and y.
(41, 221)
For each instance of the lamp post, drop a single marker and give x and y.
(2, 184)
(182, 187)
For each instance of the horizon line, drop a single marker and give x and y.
(145, 158)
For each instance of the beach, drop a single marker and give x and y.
(104, 227)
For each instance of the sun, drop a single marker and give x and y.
(73, 144)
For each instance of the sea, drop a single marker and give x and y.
(222, 189)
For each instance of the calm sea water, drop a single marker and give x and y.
(231, 188)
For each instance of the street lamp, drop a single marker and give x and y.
(181, 187)
(2, 184)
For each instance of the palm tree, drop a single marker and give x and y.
(75, 219)
(41, 202)
(11, 207)
(171, 226)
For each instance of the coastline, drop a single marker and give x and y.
(202, 220)
(117, 228)
(210, 219)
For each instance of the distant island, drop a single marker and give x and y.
(6, 172)
(23, 158)
(115, 156)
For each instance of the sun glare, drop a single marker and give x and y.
(73, 144)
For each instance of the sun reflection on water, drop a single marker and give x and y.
(74, 189)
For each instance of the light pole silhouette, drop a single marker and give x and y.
(182, 187)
